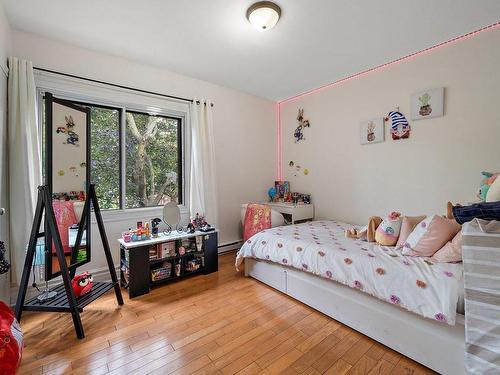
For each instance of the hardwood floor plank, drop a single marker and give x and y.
(340, 367)
(383, 367)
(363, 366)
(284, 361)
(268, 358)
(335, 353)
(357, 351)
(251, 369)
(314, 353)
(319, 336)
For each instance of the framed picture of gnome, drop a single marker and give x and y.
(67, 175)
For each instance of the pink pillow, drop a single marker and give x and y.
(451, 252)
(430, 235)
(409, 223)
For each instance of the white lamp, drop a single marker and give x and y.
(264, 15)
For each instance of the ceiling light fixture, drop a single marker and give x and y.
(264, 15)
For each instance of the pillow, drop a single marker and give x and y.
(430, 235)
(409, 223)
(451, 252)
(387, 232)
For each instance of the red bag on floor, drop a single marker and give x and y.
(11, 341)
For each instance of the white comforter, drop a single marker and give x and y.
(416, 284)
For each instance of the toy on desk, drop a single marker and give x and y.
(272, 193)
(154, 227)
(141, 233)
(82, 284)
(199, 223)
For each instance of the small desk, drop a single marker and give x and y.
(299, 212)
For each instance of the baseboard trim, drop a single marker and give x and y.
(229, 247)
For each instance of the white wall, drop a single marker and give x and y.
(244, 124)
(441, 161)
(4, 52)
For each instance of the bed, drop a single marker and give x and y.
(409, 304)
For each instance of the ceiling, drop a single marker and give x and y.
(316, 42)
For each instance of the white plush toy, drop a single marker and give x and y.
(387, 233)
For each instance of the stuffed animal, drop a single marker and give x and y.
(82, 284)
(486, 183)
(493, 194)
(11, 341)
(387, 232)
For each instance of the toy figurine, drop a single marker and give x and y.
(191, 228)
(154, 227)
(72, 138)
(82, 284)
(198, 221)
(298, 133)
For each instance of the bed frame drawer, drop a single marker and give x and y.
(272, 275)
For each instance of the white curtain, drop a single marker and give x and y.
(202, 192)
(24, 159)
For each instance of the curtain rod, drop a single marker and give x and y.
(120, 86)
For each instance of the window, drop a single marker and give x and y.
(105, 155)
(153, 148)
(152, 153)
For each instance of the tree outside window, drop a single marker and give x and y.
(153, 170)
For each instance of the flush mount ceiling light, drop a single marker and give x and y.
(264, 15)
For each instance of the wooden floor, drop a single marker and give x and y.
(221, 323)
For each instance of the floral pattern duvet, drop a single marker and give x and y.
(415, 284)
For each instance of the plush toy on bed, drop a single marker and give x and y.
(383, 231)
(387, 232)
(489, 190)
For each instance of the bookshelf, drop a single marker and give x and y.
(150, 263)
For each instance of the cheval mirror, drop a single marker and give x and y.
(67, 174)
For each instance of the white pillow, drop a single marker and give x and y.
(416, 235)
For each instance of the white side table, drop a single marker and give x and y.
(297, 212)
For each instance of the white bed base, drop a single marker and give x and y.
(435, 345)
